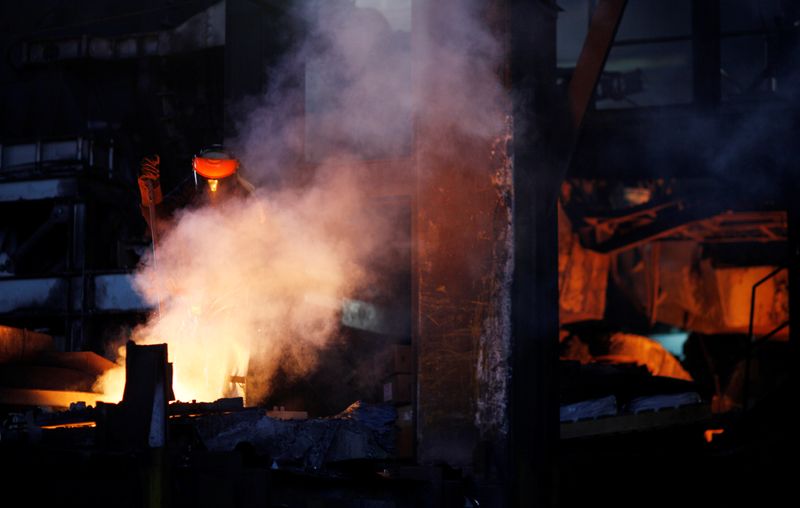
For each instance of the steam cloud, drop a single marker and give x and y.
(263, 278)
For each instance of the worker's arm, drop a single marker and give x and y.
(150, 189)
(149, 181)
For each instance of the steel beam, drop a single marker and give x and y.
(592, 60)
(204, 30)
(110, 292)
(34, 190)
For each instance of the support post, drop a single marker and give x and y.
(542, 139)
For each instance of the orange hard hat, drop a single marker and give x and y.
(215, 164)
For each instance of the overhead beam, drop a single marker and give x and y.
(33, 190)
(667, 224)
(110, 292)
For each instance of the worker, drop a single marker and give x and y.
(216, 178)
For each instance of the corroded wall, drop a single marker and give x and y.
(463, 235)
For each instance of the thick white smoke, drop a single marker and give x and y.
(264, 275)
(263, 278)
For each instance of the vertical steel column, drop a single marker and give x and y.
(540, 148)
(459, 247)
(706, 53)
(69, 297)
(75, 273)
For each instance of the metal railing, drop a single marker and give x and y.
(752, 342)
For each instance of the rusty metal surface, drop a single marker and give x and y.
(462, 239)
(687, 222)
(582, 276)
(28, 361)
(17, 344)
(691, 287)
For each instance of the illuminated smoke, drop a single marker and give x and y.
(263, 278)
(264, 275)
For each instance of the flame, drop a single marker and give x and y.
(112, 382)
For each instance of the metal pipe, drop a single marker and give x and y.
(151, 209)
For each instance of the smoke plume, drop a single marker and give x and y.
(264, 278)
(260, 276)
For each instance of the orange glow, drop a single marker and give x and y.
(287, 267)
(710, 433)
(215, 168)
(112, 383)
(212, 185)
(74, 425)
(52, 398)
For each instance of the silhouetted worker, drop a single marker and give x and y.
(216, 178)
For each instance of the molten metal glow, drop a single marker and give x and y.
(215, 168)
(253, 286)
(710, 433)
(112, 383)
(73, 425)
(212, 185)
(51, 398)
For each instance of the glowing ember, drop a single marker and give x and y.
(710, 433)
(75, 425)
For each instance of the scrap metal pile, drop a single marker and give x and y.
(143, 419)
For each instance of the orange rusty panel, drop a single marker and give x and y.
(582, 276)
(695, 295)
(772, 298)
(463, 254)
(17, 344)
(462, 239)
(687, 294)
